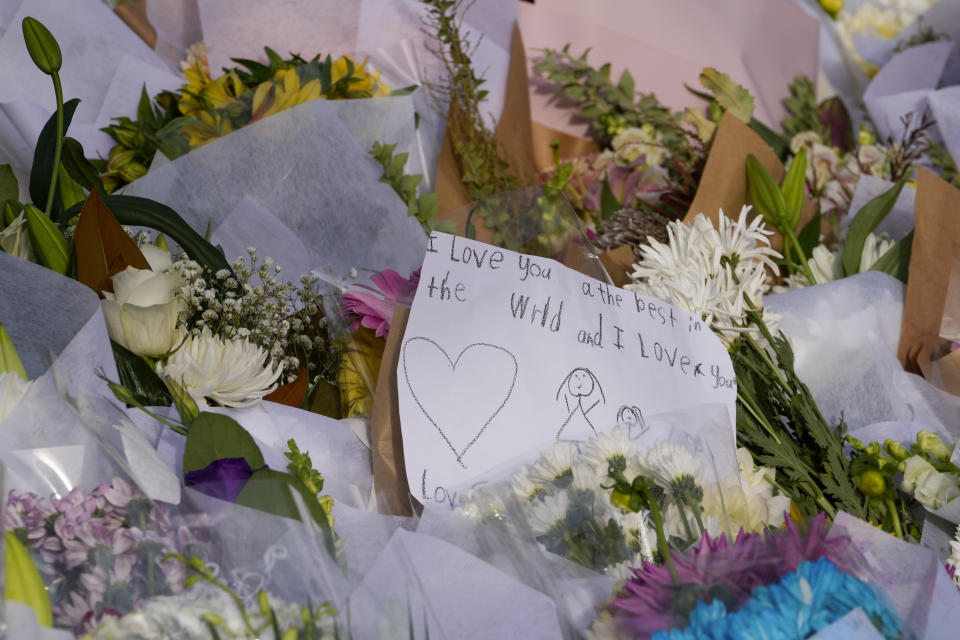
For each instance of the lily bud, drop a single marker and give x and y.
(48, 243)
(42, 46)
(132, 171)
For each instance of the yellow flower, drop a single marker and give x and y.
(281, 93)
(207, 126)
(369, 81)
(201, 92)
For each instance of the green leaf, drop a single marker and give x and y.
(272, 491)
(780, 146)
(765, 194)
(731, 96)
(145, 109)
(42, 46)
(609, 204)
(626, 83)
(9, 187)
(48, 243)
(896, 261)
(142, 212)
(793, 187)
(213, 436)
(42, 169)
(809, 236)
(78, 167)
(325, 400)
(137, 377)
(9, 360)
(866, 220)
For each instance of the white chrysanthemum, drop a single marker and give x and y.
(614, 448)
(549, 513)
(710, 271)
(554, 464)
(524, 487)
(667, 463)
(827, 265)
(12, 390)
(954, 559)
(637, 529)
(234, 373)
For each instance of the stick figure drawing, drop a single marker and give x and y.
(581, 392)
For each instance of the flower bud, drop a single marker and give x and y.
(832, 7)
(48, 243)
(119, 157)
(896, 450)
(932, 444)
(42, 46)
(132, 171)
(872, 483)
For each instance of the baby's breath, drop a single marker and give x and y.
(254, 303)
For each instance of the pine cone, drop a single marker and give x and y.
(631, 227)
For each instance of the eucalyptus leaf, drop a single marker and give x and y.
(213, 436)
(272, 491)
(896, 261)
(41, 171)
(866, 220)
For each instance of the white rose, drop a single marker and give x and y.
(931, 488)
(157, 257)
(142, 311)
(12, 390)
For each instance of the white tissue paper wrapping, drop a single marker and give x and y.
(345, 219)
(845, 336)
(57, 437)
(95, 44)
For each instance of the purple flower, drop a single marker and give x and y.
(375, 310)
(646, 602)
(223, 478)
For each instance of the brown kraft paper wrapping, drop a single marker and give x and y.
(134, 14)
(619, 264)
(936, 241)
(386, 441)
(724, 181)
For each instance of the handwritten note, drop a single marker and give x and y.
(505, 353)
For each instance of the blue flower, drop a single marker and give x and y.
(816, 595)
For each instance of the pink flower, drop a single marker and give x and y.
(375, 310)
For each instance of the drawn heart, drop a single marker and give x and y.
(459, 397)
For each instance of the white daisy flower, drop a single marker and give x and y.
(615, 448)
(710, 271)
(636, 526)
(233, 373)
(549, 514)
(524, 486)
(667, 463)
(555, 465)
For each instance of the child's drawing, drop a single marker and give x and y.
(632, 419)
(581, 393)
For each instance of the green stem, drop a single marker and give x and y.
(662, 545)
(684, 520)
(757, 415)
(892, 510)
(695, 507)
(59, 147)
(788, 234)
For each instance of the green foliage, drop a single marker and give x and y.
(802, 107)
(423, 208)
(301, 466)
(213, 436)
(729, 95)
(779, 422)
(866, 220)
(484, 169)
(139, 379)
(896, 261)
(941, 159)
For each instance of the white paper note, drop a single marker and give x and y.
(505, 353)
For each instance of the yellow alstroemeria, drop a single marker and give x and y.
(219, 93)
(369, 81)
(281, 93)
(209, 127)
